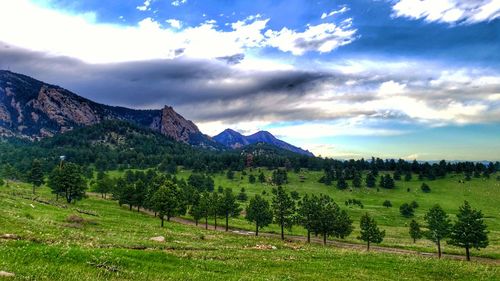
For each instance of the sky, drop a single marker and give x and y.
(411, 79)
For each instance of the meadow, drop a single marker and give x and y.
(56, 241)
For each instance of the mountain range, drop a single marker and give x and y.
(233, 139)
(32, 109)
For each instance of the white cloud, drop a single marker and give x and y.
(321, 38)
(448, 11)
(174, 23)
(145, 6)
(178, 2)
(335, 12)
(79, 36)
(391, 88)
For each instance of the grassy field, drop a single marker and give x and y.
(482, 194)
(116, 245)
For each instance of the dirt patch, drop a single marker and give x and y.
(262, 247)
(6, 274)
(10, 237)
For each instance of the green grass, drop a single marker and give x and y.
(51, 248)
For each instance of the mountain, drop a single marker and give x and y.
(32, 109)
(233, 139)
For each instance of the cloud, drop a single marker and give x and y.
(81, 37)
(448, 11)
(321, 38)
(174, 23)
(178, 3)
(145, 6)
(335, 12)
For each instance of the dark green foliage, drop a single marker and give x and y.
(406, 210)
(2, 182)
(386, 181)
(438, 225)
(259, 212)
(369, 231)
(354, 202)
(425, 188)
(387, 204)
(414, 204)
(215, 209)
(397, 175)
(220, 189)
(280, 177)
(201, 182)
(415, 231)
(251, 179)
(228, 206)
(283, 209)
(342, 183)
(35, 175)
(262, 178)
(67, 180)
(332, 221)
(230, 175)
(370, 180)
(469, 231)
(356, 181)
(309, 209)
(408, 176)
(104, 185)
(242, 196)
(295, 195)
(166, 201)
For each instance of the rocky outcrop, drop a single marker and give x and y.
(175, 126)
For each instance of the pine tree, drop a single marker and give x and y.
(262, 178)
(259, 212)
(370, 180)
(166, 201)
(36, 176)
(469, 231)
(387, 204)
(283, 209)
(251, 179)
(408, 176)
(356, 181)
(438, 225)
(369, 231)
(309, 213)
(342, 183)
(415, 232)
(229, 207)
(67, 180)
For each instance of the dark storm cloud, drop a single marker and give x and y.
(183, 83)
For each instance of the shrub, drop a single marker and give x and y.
(414, 204)
(406, 210)
(387, 204)
(425, 188)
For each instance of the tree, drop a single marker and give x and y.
(104, 185)
(309, 214)
(262, 178)
(356, 181)
(415, 232)
(414, 204)
(406, 210)
(387, 204)
(332, 221)
(67, 180)
(425, 188)
(397, 175)
(342, 183)
(251, 179)
(370, 180)
(166, 201)
(408, 176)
(205, 206)
(369, 231)
(469, 231)
(215, 207)
(280, 177)
(283, 209)
(259, 212)
(2, 182)
(295, 195)
(230, 174)
(35, 175)
(242, 196)
(229, 207)
(196, 210)
(438, 225)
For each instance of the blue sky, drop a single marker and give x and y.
(346, 79)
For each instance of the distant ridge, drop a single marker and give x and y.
(232, 139)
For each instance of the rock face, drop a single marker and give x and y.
(33, 109)
(233, 139)
(175, 126)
